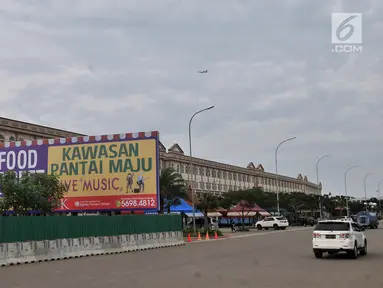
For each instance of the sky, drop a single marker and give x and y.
(113, 66)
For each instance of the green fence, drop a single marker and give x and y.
(37, 228)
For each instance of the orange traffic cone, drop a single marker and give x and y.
(207, 236)
(215, 235)
(189, 238)
(199, 236)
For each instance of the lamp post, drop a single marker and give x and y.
(191, 163)
(365, 188)
(276, 169)
(345, 185)
(317, 171)
(379, 192)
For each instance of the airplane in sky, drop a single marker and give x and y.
(203, 71)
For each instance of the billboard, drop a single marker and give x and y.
(110, 172)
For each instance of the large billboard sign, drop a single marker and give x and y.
(111, 172)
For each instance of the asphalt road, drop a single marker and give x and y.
(265, 259)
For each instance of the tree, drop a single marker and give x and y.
(172, 188)
(246, 200)
(31, 192)
(227, 200)
(206, 202)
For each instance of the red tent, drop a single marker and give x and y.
(247, 211)
(240, 208)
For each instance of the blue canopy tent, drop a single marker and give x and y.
(184, 207)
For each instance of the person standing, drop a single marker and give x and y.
(129, 182)
(141, 184)
(233, 226)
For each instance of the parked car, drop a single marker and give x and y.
(305, 221)
(276, 223)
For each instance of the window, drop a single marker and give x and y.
(268, 219)
(214, 186)
(280, 218)
(1, 138)
(332, 226)
(178, 168)
(214, 174)
(202, 185)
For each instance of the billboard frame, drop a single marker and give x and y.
(91, 140)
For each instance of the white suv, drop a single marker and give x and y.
(276, 223)
(345, 218)
(333, 236)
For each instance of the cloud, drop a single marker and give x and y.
(98, 66)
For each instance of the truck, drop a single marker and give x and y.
(367, 220)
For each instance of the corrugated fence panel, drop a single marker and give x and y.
(37, 228)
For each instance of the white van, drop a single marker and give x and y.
(200, 222)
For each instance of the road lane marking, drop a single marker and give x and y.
(251, 235)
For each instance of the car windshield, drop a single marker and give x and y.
(280, 218)
(332, 226)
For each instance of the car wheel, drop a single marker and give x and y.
(275, 226)
(259, 227)
(364, 249)
(354, 252)
(318, 253)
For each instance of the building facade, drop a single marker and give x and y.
(13, 130)
(218, 178)
(208, 176)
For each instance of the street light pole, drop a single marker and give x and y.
(276, 169)
(365, 186)
(345, 186)
(379, 192)
(191, 170)
(317, 170)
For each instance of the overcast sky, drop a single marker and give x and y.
(111, 66)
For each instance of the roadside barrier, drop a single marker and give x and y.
(51, 250)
